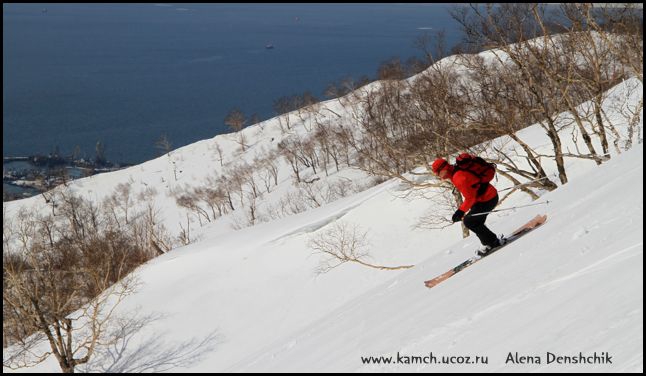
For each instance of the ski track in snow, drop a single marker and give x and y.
(622, 255)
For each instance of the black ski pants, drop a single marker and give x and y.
(477, 223)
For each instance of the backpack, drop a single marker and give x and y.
(482, 169)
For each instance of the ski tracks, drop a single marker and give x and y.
(625, 254)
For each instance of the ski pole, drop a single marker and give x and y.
(514, 208)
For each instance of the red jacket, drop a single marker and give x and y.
(467, 184)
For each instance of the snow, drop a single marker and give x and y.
(251, 300)
(573, 285)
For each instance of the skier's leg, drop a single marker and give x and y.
(477, 223)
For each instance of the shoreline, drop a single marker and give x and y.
(33, 175)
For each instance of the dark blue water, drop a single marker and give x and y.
(124, 74)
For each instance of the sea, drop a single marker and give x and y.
(126, 74)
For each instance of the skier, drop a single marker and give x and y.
(471, 176)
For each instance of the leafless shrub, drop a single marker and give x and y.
(342, 243)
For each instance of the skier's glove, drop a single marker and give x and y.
(457, 216)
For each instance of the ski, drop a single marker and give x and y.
(522, 230)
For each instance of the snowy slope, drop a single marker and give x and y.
(574, 285)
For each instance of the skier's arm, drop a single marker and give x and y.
(464, 184)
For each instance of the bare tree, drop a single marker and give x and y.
(438, 216)
(163, 144)
(62, 282)
(282, 107)
(609, 41)
(150, 233)
(503, 107)
(289, 150)
(342, 243)
(236, 120)
(322, 139)
(248, 215)
(432, 45)
(307, 106)
(568, 63)
(190, 201)
(120, 203)
(267, 167)
(185, 233)
(392, 69)
(620, 26)
(72, 337)
(219, 151)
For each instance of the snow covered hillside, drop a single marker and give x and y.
(252, 301)
(573, 286)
